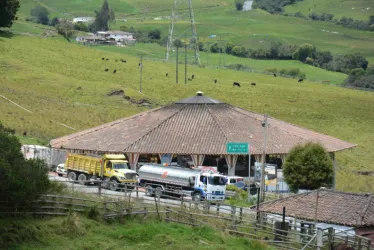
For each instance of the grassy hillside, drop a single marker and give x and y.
(356, 9)
(76, 232)
(254, 29)
(65, 84)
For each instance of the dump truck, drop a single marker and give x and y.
(203, 183)
(112, 169)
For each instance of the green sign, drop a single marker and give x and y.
(237, 148)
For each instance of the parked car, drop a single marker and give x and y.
(231, 180)
(61, 171)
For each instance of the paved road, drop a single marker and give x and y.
(146, 199)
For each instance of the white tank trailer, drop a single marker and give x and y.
(203, 183)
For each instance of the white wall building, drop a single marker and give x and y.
(116, 35)
(83, 19)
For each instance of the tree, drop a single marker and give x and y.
(124, 28)
(22, 181)
(154, 34)
(371, 20)
(81, 27)
(54, 21)
(65, 29)
(201, 46)
(40, 13)
(229, 47)
(8, 10)
(303, 52)
(103, 18)
(308, 167)
(178, 43)
(215, 48)
(239, 4)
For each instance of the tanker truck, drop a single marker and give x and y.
(113, 169)
(204, 183)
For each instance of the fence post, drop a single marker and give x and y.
(330, 238)
(182, 202)
(105, 208)
(137, 191)
(359, 243)
(241, 215)
(233, 213)
(319, 239)
(369, 244)
(159, 217)
(167, 214)
(99, 187)
(125, 189)
(145, 212)
(218, 204)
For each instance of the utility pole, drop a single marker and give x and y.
(185, 58)
(141, 73)
(265, 125)
(176, 66)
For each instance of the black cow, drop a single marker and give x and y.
(300, 80)
(107, 59)
(106, 70)
(253, 84)
(236, 84)
(215, 80)
(189, 79)
(124, 61)
(103, 58)
(275, 75)
(167, 74)
(193, 76)
(24, 133)
(114, 71)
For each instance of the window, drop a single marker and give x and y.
(217, 180)
(232, 181)
(203, 179)
(121, 165)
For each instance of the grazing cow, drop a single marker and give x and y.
(106, 70)
(189, 79)
(114, 71)
(124, 61)
(24, 133)
(107, 59)
(167, 74)
(193, 76)
(236, 84)
(103, 58)
(300, 80)
(275, 75)
(215, 80)
(253, 84)
(116, 60)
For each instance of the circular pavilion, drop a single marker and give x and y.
(198, 127)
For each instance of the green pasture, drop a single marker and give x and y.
(63, 83)
(356, 9)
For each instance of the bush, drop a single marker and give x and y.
(54, 21)
(22, 181)
(154, 34)
(303, 52)
(178, 43)
(308, 167)
(201, 46)
(40, 14)
(81, 27)
(239, 4)
(66, 29)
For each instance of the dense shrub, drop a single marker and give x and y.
(273, 6)
(154, 34)
(39, 14)
(22, 181)
(360, 78)
(308, 167)
(239, 4)
(66, 29)
(81, 27)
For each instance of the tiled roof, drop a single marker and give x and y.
(349, 209)
(196, 125)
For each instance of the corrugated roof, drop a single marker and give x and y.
(196, 125)
(334, 207)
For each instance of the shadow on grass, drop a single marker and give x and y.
(5, 34)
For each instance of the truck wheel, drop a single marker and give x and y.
(72, 176)
(82, 178)
(113, 185)
(197, 197)
(149, 190)
(59, 175)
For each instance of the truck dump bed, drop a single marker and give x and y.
(86, 164)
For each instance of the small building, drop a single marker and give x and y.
(84, 19)
(334, 207)
(116, 35)
(90, 39)
(197, 130)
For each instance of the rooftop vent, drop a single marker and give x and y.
(199, 93)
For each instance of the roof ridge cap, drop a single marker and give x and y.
(218, 124)
(158, 125)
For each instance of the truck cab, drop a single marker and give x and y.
(116, 166)
(210, 186)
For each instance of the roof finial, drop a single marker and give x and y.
(199, 93)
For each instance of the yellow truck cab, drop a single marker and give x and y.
(113, 169)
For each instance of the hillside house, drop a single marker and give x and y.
(118, 36)
(84, 19)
